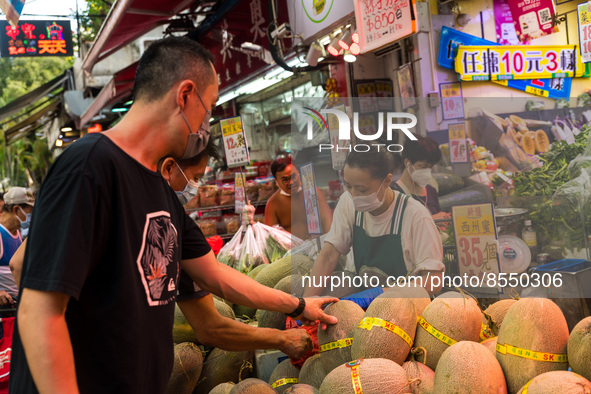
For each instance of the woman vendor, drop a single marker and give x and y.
(386, 229)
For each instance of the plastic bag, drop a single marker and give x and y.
(251, 254)
(227, 254)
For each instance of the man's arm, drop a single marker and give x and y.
(325, 212)
(48, 351)
(271, 218)
(324, 265)
(16, 262)
(233, 286)
(216, 330)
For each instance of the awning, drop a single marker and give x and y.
(120, 86)
(128, 20)
(33, 122)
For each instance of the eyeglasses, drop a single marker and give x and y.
(205, 125)
(286, 180)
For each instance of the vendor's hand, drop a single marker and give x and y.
(5, 298)
(296, 342)
(313, 312)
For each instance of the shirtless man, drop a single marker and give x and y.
(289, 198)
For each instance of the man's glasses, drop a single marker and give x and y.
(286, 180)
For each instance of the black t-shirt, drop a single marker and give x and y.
(431, 201)
(108, 232)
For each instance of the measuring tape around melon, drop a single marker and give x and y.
(355, 379)
(531, 354)
(283, 382)
(368, 322)
(436, 333)
(341, 343)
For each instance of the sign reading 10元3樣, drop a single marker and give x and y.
(234, 142)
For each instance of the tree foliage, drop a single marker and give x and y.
(92, 18)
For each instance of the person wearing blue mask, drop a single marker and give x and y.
(15, 217)
(387, 231)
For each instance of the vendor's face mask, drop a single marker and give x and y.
(197, 142)
(421, 176)
(190, 190)
(370, 202)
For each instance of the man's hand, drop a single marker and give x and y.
(5, 298)
(313, 312)
(296, 342)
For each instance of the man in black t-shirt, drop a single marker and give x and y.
(109, 239)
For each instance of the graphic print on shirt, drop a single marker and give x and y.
(156, 261)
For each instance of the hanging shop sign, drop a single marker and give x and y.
(484, 63)
(380, 23)
(476, 243)
(584, 19)
(310, 17)
(385, 94)
(406, 86)
(36, 38)
(234, 142)
(452, 103)
(239, 192)
(533, 18)
(310, 199)
(338, 155)
(458, 148)
(505, 27)
(451, 39)
(366, 91)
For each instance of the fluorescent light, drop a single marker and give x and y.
(66, 129)
(349, 58)
(227, 97)
(59, 143)
(119, 109)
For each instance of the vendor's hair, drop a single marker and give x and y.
(169, 61)
(211, 151)
(279, 165)
(424, 148)
(379, 163)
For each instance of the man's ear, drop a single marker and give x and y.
(182, 92)
(166, 168)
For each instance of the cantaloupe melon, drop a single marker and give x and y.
(468, 367)
(418, 295)
(535, 325)
(182, 330)
(493, 316)
(579, 348)
(375, 341)
(252, 386)
(274, 272)
(291, 284)
(284, 376)
(188, 363)
(222, 366)
(301, 389)
(375, 375)
(222, 388)
(454, 316)
(562, 382)
(270, 319)
(255, 271)
(422, 375)
(345, 289)
(349, 315)
(244, 312)
(491, 345)
(224, 309)
(312, 372)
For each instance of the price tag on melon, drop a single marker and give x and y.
(239, 192)
(458, 147)
(234, 139)
(310, 199)
(476, 246)
(451, 100)
(584, 19)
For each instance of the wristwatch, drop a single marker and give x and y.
(298, 311)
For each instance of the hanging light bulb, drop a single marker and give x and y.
(349, 57)
(333, 48)
(354, 47)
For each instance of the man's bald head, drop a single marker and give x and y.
(169, 61)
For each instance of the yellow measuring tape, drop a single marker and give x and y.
(436, 333)
(532, 355)
(368, 322)
(354, 365)
(485, 332)
(283, 382)
(341, 343)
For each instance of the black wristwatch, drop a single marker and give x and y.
(298, 311)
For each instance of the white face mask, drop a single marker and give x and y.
(370, 202)
(281, 191)
(190, 190)
(421, 177)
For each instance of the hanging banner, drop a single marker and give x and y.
(239, 192)
(451, 39)
(406, 86)
(36, 38)
(366, 91)
(476, 242)
(310, 199)
(380, 23)
(506, 34)
(458, 148)
(584, 19)
(533, 18)
(384, 90)
(484, 63)
(234, 142)
(12, 9)
(452, 103)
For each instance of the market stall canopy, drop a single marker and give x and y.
(35, 121)
(128, 20)
(118, 88)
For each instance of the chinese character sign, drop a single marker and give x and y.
(234, 142)
(366, 91)
(381, 22)
(483, 63)
(338, 155)
(584, 18)
(310, 199)
(451, 100)
(476, 240)
(458, 148)
(533, 18)
(239, 192)
(36, 38)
